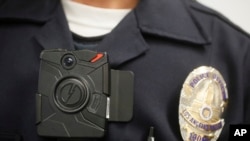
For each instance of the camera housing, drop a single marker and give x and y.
(78, 94)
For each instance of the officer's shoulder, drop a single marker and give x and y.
(27, 10)
(209, 14)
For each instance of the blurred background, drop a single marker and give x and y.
(237, 11)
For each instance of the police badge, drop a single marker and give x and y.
(203, 99)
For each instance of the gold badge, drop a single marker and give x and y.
(202, 102)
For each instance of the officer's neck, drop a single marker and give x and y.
(113, 4)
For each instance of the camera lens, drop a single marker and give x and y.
(68, 61)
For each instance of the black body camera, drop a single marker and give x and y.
(78, 94)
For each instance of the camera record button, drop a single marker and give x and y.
(71, 95)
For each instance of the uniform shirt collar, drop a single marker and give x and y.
(167, 18)
(171, 19)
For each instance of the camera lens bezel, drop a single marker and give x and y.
(68, 61)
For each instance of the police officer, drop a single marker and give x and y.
(162, 42)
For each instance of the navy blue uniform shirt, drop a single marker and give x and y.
(161, 41)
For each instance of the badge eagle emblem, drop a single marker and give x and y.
(202, 102)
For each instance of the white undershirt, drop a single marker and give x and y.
(89, 21)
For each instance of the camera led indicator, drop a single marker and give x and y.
(71, 95)
(97, 57)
